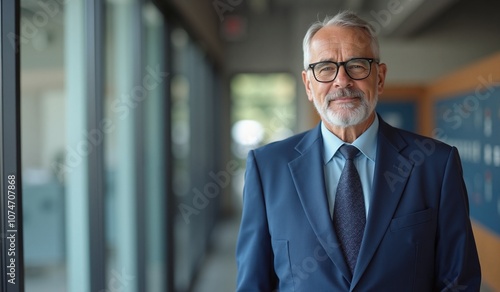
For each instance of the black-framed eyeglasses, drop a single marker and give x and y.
(356, 69)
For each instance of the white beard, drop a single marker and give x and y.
(351, 114)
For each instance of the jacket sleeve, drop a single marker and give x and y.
(457, 264)
(254, 255)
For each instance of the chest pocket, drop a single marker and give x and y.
(411, 220)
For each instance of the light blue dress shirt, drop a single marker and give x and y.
(364, 161)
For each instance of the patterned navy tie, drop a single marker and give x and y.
(349, 215)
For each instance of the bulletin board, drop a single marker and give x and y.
(471, 122)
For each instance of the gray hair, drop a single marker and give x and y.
(342, 19)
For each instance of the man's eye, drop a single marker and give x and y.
(327, 69)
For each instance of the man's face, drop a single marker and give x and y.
(344, 101)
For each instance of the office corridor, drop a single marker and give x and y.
(127, 125)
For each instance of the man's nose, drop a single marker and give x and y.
(343, 79)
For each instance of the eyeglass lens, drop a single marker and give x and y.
(356, 69)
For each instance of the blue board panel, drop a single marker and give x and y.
(398, 114)
(471, 122)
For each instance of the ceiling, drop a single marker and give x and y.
(406, 16)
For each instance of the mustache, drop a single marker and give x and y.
(344, 92)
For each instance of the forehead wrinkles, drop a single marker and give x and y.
(345, 40)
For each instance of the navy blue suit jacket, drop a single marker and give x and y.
(418, 233)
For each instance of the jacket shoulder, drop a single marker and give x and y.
(286, 148)
(416, 141)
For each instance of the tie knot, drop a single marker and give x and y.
(348, 151)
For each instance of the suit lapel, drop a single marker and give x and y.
(391, 174)
(308, 176)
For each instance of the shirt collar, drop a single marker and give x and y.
(366, 143)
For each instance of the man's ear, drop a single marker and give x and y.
(307, 85)
(382, 71)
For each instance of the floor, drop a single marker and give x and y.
(218, 273)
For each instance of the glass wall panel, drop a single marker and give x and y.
(181, 87)
(135, 155)
(123, 98)
(110, 153)
(44, 145)
(55, 145)
(194, 161)
(155, 156)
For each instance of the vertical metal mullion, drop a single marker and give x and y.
(95, 28)
(10, 145)
(139, 133)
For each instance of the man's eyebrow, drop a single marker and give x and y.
(332, 60)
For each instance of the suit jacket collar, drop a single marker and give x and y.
(309, 139)
(308, 175)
